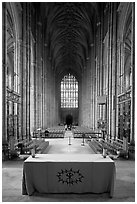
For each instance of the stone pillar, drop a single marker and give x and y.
(42, 116)
(89, 84)
(20, 65)
(114, 71)
(110, 68)
(32, 88)
(23, 81)
(32, 97)
(4, 67)
(26, 71)
(133, 73)
(109, 94)
(45, 94)
(102, 113)
(93, 88)
(48, 94)
(19, 61)
(38, 75)
(29, 50)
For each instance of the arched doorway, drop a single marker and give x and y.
(69, 119)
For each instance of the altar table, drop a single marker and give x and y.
(68, 173)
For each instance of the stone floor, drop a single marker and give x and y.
(124, 190)
(61, 146)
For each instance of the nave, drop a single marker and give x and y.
(68, 64)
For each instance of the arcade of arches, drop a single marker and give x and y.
(44, 42)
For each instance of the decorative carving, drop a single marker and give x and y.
(12, 96)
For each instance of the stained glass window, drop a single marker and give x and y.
(69, 92)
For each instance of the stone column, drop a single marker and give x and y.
(45, 95)
(23, 81)
(114, 70)
(19, 64)
(133, 73)
(32, 96)
(4, 68)
(38, 74)
(20, 67)
(94, 82)
(28, 67)
(109, 98)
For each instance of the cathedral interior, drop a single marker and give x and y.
(68, 63)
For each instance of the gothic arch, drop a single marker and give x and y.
(124, 16)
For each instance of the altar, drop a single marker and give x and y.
(77, 173)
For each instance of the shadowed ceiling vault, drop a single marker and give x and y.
(69, 32)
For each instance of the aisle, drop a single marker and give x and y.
(61, 146)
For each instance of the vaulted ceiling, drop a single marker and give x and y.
(69, 33)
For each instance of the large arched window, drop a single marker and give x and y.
(69, 92)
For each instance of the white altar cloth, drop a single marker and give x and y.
(75, 173)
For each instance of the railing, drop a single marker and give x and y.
(87, 134)
(56, 135)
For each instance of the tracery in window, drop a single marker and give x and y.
(69, 92)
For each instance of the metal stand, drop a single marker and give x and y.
(69, 141)
(83, 142)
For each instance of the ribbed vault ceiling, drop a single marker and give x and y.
(69, 33)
